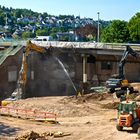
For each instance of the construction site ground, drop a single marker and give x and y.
(91, 117)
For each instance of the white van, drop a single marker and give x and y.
(43, 38)
(43, 41)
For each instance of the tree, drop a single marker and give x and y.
(42, 32)
(53, 35)
(2, 20)
(17, 13)
(117, 32)
(54, 30)
(28, 34)
(134, 28)
(44, 15)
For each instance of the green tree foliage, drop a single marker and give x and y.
(66, 16)
(53, 35)
(17, 13)
(117, 32)
(22, 24)
(134, 27)
(42, 32)
(28, 34)
(54, 30)
(44, 15)
(2, 18)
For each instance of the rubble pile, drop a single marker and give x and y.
(111, 105)
(41, 136)
(29, 135)
(85, 98)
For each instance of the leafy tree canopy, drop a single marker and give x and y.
(42, 32)
(134, 27)
(117, 32)
(28, 34)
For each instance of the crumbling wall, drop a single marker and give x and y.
(47, 76)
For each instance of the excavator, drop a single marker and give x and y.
(23, 72)
(22, 80)
(118, 83)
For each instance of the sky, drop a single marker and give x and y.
(108, 9)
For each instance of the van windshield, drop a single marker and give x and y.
(38, 39)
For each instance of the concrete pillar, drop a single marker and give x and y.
(84, 68)
(32, 75)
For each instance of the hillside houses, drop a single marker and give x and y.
(18, 21)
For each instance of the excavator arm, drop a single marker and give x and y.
(123, 60)
(23, 71)
(118, 83)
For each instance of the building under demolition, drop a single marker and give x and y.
(64, 69)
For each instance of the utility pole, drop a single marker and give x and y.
(98, 32)
(6, 20)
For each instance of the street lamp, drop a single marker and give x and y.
(98, 32)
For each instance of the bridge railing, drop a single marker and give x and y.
(86, 45)
(62, 44)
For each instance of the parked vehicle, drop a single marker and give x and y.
(43, 38)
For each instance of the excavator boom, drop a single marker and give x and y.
(23, 71)
(123, 60)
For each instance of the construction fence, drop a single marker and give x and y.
(27, 114)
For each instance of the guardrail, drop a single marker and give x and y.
(64, 44)
(86, 45)
(27, 114)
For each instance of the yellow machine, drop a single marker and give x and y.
(23, 72)
(17, 94)
(22, 80)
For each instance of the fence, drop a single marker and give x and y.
(27, 114)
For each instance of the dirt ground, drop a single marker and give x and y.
(92, 117)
